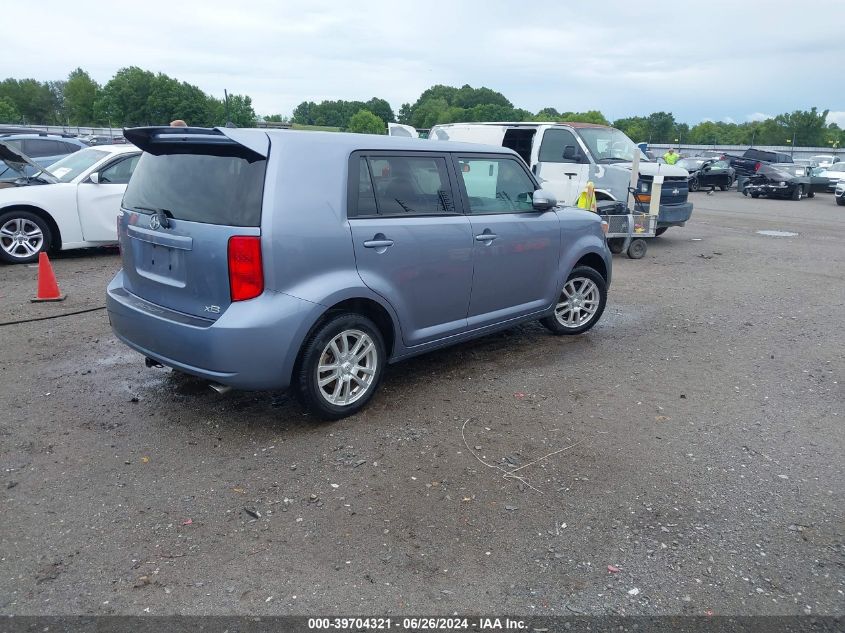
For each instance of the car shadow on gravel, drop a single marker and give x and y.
(510, 351)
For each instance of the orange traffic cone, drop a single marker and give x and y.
(48, 288)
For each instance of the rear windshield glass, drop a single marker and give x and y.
(198, 188)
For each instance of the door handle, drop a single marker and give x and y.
(380, 242)
(570, 174)
(486, 237)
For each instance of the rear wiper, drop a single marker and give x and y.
(164, 215)
(166, 212)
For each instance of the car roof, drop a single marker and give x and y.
(33, 135)
(123, 148)
(576, 124)
(363, 142)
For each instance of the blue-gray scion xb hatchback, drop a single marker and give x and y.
(272, 259)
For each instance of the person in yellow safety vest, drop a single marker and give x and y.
(671, 157)
(587, 199)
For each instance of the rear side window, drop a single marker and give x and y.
(496, 185)
(39, 148)
(199, 187)
(403, 185)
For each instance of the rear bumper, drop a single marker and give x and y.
(253, 345)
(674, 214)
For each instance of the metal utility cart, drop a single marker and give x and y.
(627, 228)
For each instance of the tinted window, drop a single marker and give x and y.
(366, 195)
(407, 185)
(39, 148)
(496, 185)
(69, 148)
(199, 188)
(720, 164)
(120, 172)
(560, 146)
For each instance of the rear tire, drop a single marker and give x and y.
(811, 194)
(584, 296)
(23, 235)
(341, 366)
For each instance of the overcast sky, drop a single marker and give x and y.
(702, 59)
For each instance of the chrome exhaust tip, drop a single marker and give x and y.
(219, 388)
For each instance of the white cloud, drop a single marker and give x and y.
(836, 117)
(619, 57)
(727, 119)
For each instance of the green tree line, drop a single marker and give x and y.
(133, 96)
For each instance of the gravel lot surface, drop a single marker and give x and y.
(702, 423)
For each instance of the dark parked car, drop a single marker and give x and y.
(707, 173)
(773, 181)
(752, 159)
(43, 149)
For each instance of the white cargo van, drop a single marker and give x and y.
(565, 156)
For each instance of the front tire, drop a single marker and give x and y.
(23, 235)
(341, 367)
(693, 184)
(841, 201)
(581, 303)
(798, 192)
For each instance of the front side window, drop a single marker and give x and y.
(404, 185)
(496, 185)
(720, 164)
(560, 146)
(120, 172)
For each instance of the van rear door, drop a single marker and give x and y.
(192, 191)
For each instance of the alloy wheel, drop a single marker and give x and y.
(578, 303)
(347, 367)
(21, 238)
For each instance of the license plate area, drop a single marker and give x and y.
(161, 264)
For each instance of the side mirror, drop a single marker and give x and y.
(543, 200)
(570, 153)
(95, 178)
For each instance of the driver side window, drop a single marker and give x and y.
(560, 146)
(120, 172)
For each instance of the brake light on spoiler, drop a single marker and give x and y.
(246, 273)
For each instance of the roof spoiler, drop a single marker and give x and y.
(184, 140)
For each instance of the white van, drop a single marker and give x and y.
(565, 156)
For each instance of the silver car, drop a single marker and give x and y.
(272, 259)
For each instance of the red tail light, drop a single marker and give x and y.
(246, 274)
(757, 166)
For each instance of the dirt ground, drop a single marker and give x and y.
(697, 467)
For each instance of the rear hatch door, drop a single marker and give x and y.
(192, 190)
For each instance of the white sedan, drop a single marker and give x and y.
(71, 204)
